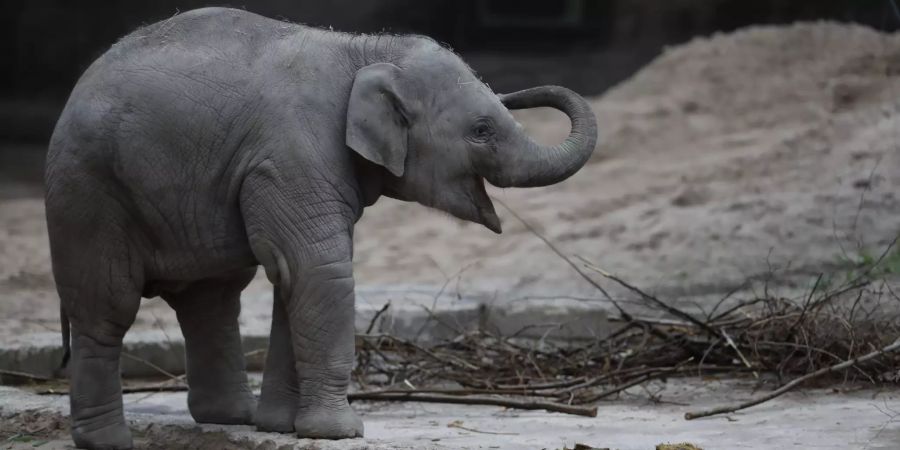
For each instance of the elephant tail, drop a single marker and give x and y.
(66, 338)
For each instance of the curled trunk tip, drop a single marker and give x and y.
(526, 163)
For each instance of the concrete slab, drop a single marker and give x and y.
(424, 313)
(810, 419)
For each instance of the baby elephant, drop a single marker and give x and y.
(203, 146)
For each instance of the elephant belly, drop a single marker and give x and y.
(192, 249)
(172, 270)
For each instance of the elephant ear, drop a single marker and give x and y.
(377, 121)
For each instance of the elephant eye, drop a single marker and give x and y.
(482, 130)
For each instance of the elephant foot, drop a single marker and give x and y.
(328, 422)
(231, 408)
(107, 437)
(276, 416)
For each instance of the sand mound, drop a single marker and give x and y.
(761, 77)
(753, 69)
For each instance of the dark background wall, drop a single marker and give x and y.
(587, 45)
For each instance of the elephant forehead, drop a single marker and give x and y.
(439, 65)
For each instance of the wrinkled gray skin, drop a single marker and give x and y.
(205, 145)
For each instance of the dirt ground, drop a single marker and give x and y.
(639, 419)
(772, 147)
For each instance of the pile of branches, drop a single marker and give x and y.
(836, 332)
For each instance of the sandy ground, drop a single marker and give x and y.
(773, 147)
(639, 420)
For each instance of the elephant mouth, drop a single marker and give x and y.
(486, 215)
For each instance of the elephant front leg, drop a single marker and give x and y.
(279, 397)
(321, 316)
(301, 233)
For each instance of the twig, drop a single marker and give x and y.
(787, 387)
(559, 253)
(540, 386)
(668, 308)
(478, 400)
(437, 296)
(458, 424)
(738, 351)
(376, 316)
(654, 321)
(454, 361)
(803, 312)
(640, 380)
(128, 390)
(461, 392)
(728, 295)
(252, 353)
(25, 375)
(638, 371)
(151, 365)
(157, 388)
(737, 307)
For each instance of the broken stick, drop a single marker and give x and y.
(476, 400)
(787, 387)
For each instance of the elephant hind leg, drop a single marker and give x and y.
(99, 273)
(208, 312)
(98, 420)
(100, 315)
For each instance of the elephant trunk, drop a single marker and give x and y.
(525, 163)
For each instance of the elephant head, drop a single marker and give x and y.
(440, 132)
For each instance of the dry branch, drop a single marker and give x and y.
(24, 375)
(477, 400)
(787, 387)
